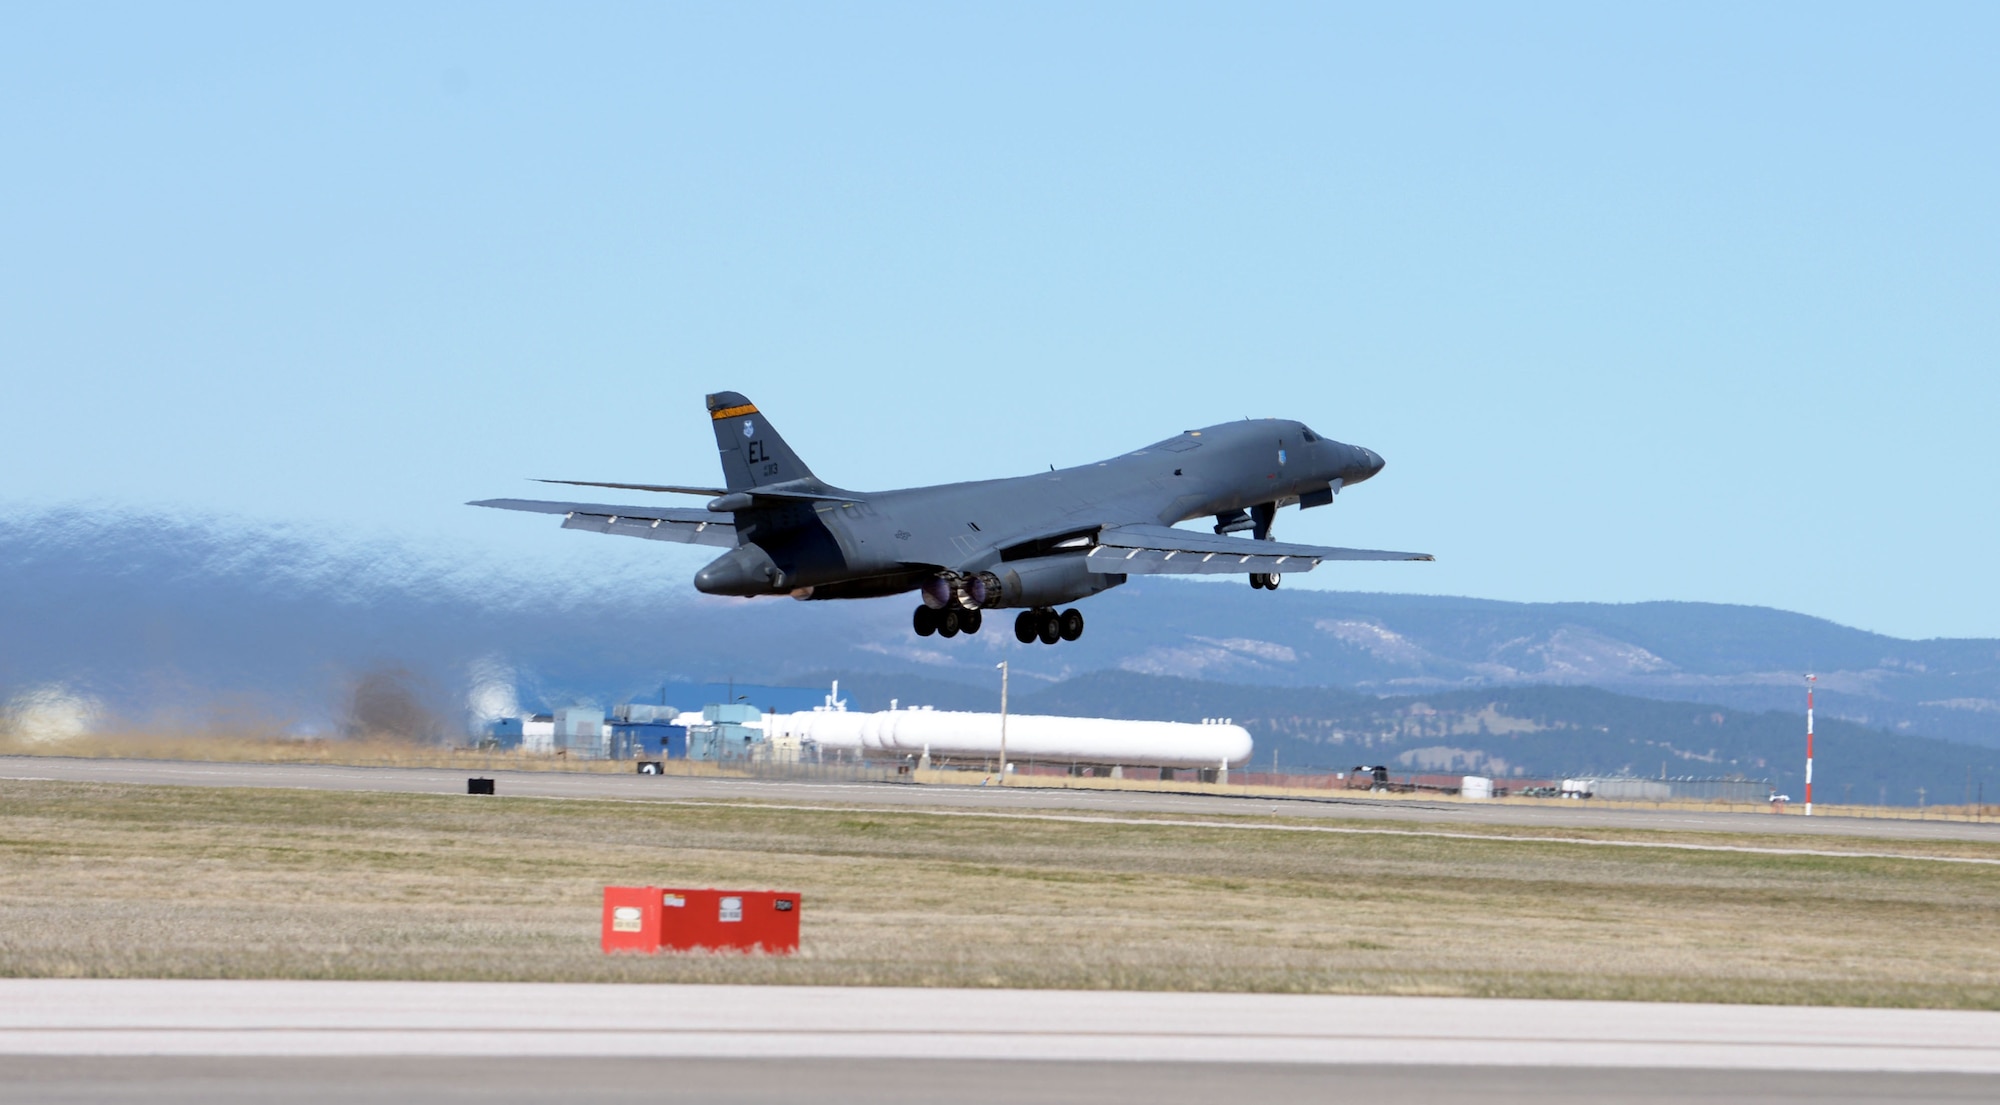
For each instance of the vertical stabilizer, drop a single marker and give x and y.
(753, 454)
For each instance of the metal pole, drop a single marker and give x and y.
(1810, 680)
(1002, 665)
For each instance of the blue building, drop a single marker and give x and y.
(725, 732)
(641, 731)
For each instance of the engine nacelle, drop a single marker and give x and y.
(1046, 581)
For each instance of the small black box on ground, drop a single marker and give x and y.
(479, 786)
(649, 767)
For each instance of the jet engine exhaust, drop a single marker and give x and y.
(980, 589)
(937, 592)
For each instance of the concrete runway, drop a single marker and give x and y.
(624, 1081)
(553, 784)
(110, 1040)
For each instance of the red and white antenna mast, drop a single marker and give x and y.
(1810, 680)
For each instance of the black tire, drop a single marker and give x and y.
(1026, 625)
(1257, 580)
(1051, 627)
(1071, 624)
(969, 621)
(1271, 581)
(924, 621)
(948, 622)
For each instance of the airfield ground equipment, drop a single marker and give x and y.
(652, 919)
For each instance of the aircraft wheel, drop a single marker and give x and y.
(1257, 580)
(1051, 627)
(1027, 624)
(924, 621)
(1271, 581)
(948, 623)
(1072, 624)
(969, 621)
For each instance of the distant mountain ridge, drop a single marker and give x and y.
(1531, 731)
(154, 619)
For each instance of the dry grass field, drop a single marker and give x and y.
(134, 881)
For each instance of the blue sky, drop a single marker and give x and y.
(1640, 302)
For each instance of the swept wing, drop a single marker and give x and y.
(796, 491)
(689, 527)
(1164, 550)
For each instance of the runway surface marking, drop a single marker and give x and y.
(181, 1017)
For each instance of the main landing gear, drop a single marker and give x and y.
(948, 622)
(1265, 580)
(1048, 626)
(1042, 623)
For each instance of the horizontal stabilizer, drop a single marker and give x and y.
(1164, 550)
(685, 526)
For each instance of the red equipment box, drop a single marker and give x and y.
(649, 918)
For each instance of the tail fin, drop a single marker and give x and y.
(753, 455)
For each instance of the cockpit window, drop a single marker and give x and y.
(1308, 434)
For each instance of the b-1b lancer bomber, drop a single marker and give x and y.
(1031, 543)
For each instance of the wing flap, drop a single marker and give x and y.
(1164, 550)
(684, 526)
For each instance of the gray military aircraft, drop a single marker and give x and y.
(1030, 543)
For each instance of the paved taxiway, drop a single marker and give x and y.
(177, 1040)
(556, 784)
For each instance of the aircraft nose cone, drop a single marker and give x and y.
(1362, 464)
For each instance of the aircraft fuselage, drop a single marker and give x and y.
(1029, 543)
(888, 542)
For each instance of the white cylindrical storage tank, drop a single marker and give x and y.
(832, 730)
(1057, 739)
(1475, 786)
